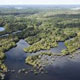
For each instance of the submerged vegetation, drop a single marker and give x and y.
(39, 60)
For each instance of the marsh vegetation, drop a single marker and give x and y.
(42, 29)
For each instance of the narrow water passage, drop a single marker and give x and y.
(16, 60)
(59, 48)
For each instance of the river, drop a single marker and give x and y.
(62, 69)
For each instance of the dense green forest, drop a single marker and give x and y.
(42, 29)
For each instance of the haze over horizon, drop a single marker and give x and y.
(39, 2)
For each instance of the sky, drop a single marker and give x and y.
(33, 2)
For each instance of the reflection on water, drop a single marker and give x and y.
(61, 69)
(64, 69)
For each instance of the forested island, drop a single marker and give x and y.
(42, 29)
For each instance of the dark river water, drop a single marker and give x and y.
(62, 68)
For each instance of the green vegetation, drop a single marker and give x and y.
(72, 45)
(42, 59)
(42, 29)
(5, 44)
(38, 60)
(51, 31)
(55, 27)
(41, 45)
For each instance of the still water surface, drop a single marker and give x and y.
(2, 29)
(62, 69)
